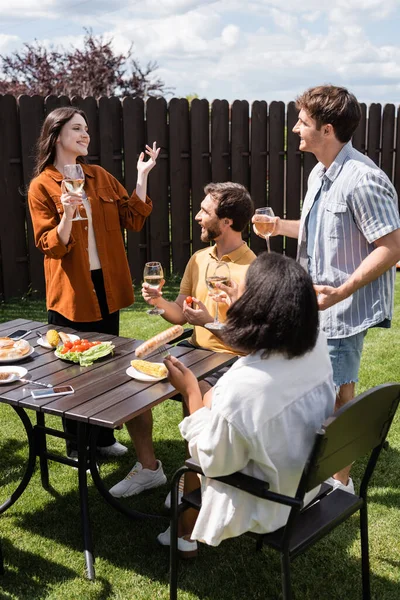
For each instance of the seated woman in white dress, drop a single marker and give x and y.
(262, 415)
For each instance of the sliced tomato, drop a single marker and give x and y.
(68, 345)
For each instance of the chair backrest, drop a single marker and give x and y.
(354, 430)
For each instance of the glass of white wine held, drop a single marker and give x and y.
(264, 223)
(74, 180)
(153, 274)
(216, 272)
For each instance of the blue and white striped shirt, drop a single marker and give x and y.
(357, 206)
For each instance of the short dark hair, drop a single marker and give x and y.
(278, 311)
(328, 104)
(234, 202)
(46, 144)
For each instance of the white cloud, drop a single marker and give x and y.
(230, 35)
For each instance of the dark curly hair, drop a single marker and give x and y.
(234, 202)
(328, 104)
(278, 311)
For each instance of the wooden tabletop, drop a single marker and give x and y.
(104, 393)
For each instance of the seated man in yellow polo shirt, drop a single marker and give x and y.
(224, 213)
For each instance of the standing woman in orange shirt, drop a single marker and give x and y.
(86, 269)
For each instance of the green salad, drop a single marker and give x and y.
(86, 358)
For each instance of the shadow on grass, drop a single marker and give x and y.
(26, 575)
(232, 571)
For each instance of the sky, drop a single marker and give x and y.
(229, 49)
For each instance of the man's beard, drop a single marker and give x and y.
(209, 234)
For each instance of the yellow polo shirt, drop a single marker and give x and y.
(194, 284)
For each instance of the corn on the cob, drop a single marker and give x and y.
(153, 369)
(53, 338)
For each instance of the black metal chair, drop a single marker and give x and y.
(357, 429)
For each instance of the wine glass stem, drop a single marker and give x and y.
(268, 246)
(216, 320)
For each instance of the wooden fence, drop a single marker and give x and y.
(199, 143)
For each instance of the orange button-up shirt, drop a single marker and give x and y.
(69, 286)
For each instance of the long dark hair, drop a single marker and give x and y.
(46, 144)
(278, 311)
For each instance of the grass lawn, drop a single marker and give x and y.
(41, 534)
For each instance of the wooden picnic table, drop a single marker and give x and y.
(104, 395)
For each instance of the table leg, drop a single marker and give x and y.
(84, 500)
(30, 467)
(42, 449)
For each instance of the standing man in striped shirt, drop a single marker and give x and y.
(348, 234)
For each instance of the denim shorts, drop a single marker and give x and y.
(345, 355)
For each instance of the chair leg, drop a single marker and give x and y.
(366, 586)
(173, 551)
(1, 561)
(285, 572)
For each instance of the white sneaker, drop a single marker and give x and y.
(138, 480)
(167, 502)
(186, 548)
(336, 484)
(116, 449)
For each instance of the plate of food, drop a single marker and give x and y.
(14, 350)
(84, 352)
(11, 373)
(143, 370)
(53, 338)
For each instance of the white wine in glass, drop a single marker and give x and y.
(153, 274)
(264, 223)
(74, 180)
(216, 272)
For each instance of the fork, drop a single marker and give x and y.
(163, 350)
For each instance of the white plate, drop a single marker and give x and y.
(45, 344)
(9, 360)
(135, 374)
(19, 372)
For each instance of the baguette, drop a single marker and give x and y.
(158, 340)
(153, 369)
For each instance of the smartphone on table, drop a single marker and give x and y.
(58, 390)
(19, 334)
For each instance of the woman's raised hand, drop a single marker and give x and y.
(144, 167)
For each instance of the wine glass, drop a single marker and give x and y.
(153, 274)
(74, 180)
(217, 272)
(264, 223)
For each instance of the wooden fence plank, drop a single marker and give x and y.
(200, 161)
(240, 143)
(388, 126)
(179, 162)
(292, 176)
(374, 133)
(134, 144)
(220, 151)
(31, 116)
(157, 129)
(276, 165)
(259, 175)
(106, 134)
(396, 174)
(12, 223)
(358, 140)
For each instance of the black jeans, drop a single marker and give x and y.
(108, 324)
